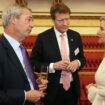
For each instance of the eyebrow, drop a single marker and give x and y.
(30, 16)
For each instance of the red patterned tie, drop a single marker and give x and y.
(65, 75)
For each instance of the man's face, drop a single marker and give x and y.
(24, 24)
(61, 22)
(102, 25)
(101, 32)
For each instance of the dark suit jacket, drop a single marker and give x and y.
(13, 81)
(46, 51)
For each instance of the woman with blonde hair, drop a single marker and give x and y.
(96, 92)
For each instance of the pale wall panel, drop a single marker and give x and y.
(82, 7)
(5, 3)
(73, 22)
(81, 30)
(89, 6)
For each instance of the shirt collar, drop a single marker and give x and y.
(59, 33)
(14, 43)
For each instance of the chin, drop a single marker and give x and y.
(102, 41)
(62, 31)
(26, 35)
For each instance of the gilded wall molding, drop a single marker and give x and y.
(79, 20)
(72, 17)
(74, 22)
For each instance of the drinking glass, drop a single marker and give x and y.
(44, 72)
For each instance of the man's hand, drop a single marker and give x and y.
(61, 65)
(73, 66)
(34, 95)
(43, 84)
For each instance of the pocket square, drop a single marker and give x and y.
(76, 51)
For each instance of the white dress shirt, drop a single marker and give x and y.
(57, 33)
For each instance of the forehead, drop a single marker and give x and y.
(62, 15)
(102, 21)
(102, 24)
(26, 12)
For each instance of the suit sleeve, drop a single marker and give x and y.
(37, 54)
(9, 96)
(81, 56)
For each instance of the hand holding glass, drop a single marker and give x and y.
(44, 72)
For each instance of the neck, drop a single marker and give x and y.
(11, 33)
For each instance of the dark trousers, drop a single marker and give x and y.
(64, 97)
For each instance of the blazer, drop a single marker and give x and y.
(46, 51)
(13, 81)
(96, 92)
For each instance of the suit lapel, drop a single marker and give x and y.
(54, 42)
(13, 57)
(71, 43)
(70, 39)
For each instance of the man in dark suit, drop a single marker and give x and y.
(16, 86)
(48, 51)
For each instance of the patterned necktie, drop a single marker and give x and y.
(65, 75)
(28, 69)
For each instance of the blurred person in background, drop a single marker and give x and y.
(96, 92)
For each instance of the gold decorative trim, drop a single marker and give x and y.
(85, 50)
(95, 50)
(87, 73)
(72, 17)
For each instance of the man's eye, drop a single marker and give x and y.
(101, 28)
(29, 19)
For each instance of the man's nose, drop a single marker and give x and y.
(65, 22)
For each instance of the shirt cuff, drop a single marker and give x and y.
(51, 69)
(79, 62)
(24, 97)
